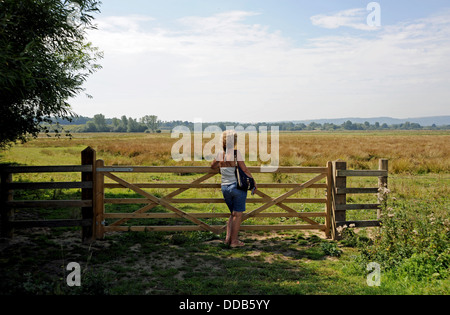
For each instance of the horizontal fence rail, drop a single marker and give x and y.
(205, 169)
(332, 180)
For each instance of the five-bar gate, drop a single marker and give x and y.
(96, 220)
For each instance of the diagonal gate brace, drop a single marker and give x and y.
(279, 199)
(163, 203)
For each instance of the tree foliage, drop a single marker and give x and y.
(44, 60)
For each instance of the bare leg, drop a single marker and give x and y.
(228, 237)
(235, 226)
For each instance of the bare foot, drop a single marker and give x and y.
(238, 244)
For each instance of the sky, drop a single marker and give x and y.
(270, 60)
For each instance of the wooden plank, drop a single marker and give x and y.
(49, 203)
(51, 223)
(158, 169)
(207, 185)
(99, 203)
(282, 227)
(357, 224)
(209, 200)
(329, 200)
(249, 200)
(339, 199)
(363, 173)
(47, 169)
(358, 206)
(383, 164)
(283, 197)
(205, 169)
(356, 190)
(166, 215)
(50, 185)
(176, 228)
(88, 157)
(162, 202)
(6, 212)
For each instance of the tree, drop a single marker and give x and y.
(133, 125)
(44, 60)
(348, 125)
(124, 122)
(100, 122)
(90, 127)
(116, 125)
(151, 121)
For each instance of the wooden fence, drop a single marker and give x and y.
(331, 180)
(340, 192)
(8, 204)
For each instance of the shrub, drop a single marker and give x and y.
(413, 240)
(331, 249)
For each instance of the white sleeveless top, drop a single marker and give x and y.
(228, 174)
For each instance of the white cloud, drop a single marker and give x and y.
(223, 68)
(354, 18)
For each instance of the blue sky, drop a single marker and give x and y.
(267, 60)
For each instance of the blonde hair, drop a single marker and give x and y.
(228, 137)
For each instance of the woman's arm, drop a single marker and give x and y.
(216, 163)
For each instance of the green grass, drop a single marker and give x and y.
(197, 263)
(181, 263)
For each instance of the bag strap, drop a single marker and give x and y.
(238, 175)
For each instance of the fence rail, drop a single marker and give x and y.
(332, 180)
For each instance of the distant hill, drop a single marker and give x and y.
(423, 121)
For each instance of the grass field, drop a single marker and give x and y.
(412, 247)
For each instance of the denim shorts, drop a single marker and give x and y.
(234, 198)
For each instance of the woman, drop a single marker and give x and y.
(234, 198)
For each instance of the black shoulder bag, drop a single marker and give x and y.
(244, 182)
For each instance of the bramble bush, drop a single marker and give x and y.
(414, 240)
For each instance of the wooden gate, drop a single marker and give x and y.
(168, 201)
(330, 181)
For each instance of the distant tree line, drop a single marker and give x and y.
(151, 124)
(148, 123)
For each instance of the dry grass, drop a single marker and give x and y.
(408, 152)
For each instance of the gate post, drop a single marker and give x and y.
(329, 205)
(99, 201)
(340, 196)
(382, 184)
(88, 157)
(6, 211)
